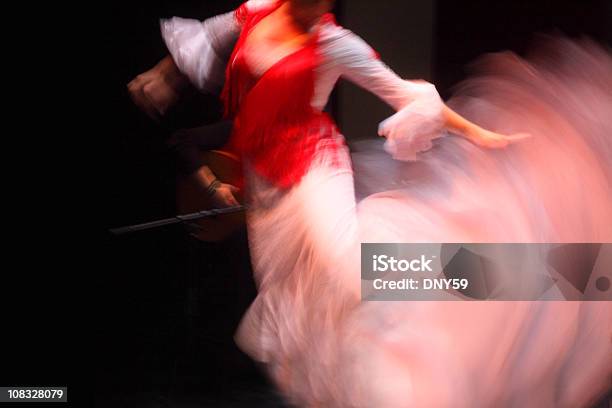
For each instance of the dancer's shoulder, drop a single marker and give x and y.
(331, 31)
(250, 7)
(257, 5)
(339, 40)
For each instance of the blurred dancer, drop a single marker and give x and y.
(321, 345)
(156, 90)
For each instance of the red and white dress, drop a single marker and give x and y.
(321, 345)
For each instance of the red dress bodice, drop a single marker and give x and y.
(276, 129)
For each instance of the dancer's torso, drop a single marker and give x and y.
(278, 121)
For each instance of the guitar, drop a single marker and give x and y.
(190, 198)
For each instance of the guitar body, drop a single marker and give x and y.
(190, 198)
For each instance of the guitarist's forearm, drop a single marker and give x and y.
(203, 176)
(171, 73)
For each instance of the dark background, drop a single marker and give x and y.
(166, 305)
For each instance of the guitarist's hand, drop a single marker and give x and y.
(156, 90)
(224, 196)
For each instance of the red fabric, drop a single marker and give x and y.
(275, 127)
(242, 13)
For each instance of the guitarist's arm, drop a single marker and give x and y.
(158, 89)
(199, 52)
(154, 92)
(222, 194)
(188, 145)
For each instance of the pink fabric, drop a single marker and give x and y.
(323, 347)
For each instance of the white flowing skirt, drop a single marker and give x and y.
(324, 347)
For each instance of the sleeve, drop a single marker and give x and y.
(201, 49)
(418, 120)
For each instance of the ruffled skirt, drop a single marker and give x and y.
(324, 347)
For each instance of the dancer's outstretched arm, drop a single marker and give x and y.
(421, 114)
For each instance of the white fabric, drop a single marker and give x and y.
(201, 49)
(419, 118)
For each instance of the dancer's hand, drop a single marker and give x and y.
(477, 135)
(157, 89)
(224, 196)
(492, 140)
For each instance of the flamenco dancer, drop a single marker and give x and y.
(318, 342)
